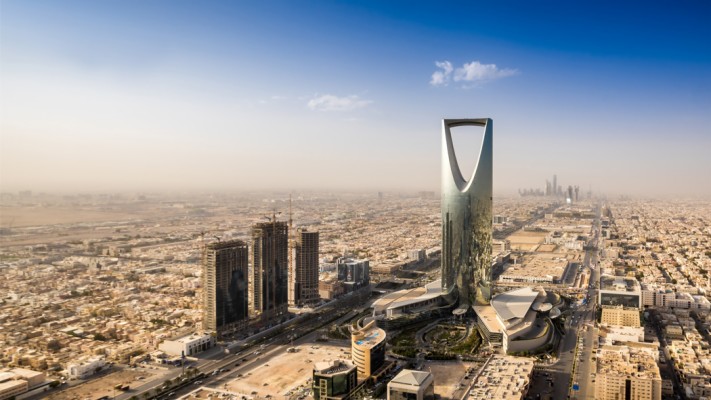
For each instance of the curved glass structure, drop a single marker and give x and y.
(466, 219)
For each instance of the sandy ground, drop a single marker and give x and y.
(526, 241)
(287, 371)
(37, 216)
(103, 386)
(549, 248)
(446, 376)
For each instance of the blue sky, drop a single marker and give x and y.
(349, 95)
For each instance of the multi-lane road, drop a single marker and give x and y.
(248, 357)
(573, 367)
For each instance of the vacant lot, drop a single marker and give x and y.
(103, 386)
(284, 372)
(447, 376)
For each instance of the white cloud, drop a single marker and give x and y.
(469, 72)
(476, 71)
(329, 102)
(441, 77)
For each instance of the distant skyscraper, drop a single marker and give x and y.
(303, 278)
(467, 218)
(225, 301)
(270, 270)
(555, 185)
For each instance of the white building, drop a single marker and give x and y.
(512, 320)
(411, 385)
(188, 345)
(85, 368)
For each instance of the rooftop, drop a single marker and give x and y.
(369, 336)
(332, 367)
(410, 377)
(406, 297)
(514, 304)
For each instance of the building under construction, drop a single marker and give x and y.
(303, 277)
(270, 269)
(225, 301)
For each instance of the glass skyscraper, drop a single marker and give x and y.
(270, 269)
(225, 302)
(467, 218)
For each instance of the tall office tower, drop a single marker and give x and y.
(303, 273)
(577, 192)
(548, 188)
(555, 185)
(225, 301)
(270, 269)
(467, 218)
(569, 194)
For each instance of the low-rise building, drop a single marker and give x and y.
(627, 373)
(503, 378)
(85, 368)
(411, 385)
(188, 345)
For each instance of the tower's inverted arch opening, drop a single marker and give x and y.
(467, 141)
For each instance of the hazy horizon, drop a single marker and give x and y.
(183, 96)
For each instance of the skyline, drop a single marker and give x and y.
(335, 96)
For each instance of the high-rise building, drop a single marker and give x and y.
(225, 301)
(367, 348)
(467, 218)
(270, 269)
(303, 276)
(354, 274)
(555, 186)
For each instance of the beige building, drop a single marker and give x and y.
(367, 349)
(627, 373)
(11, 388)
(503, 378)
(411, 385)
(620, 316)
(16, 381)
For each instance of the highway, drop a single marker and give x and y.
(575, 349)
(215, 360)
(586, 332)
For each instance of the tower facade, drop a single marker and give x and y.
(270, 269)
(467, 218)
(225, 301)
(303, 277)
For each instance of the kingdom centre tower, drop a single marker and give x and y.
(466, 219)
